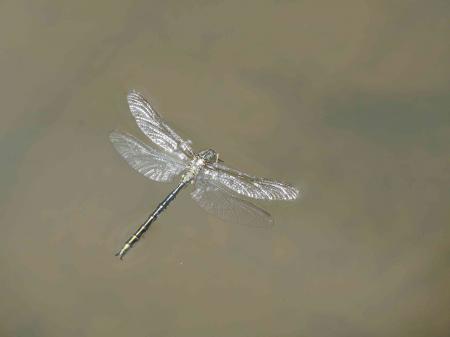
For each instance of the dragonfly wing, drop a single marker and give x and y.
(228, 206)
(154, 127)
(253, 187)
(153, 164)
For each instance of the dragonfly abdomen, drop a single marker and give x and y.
(146, 225)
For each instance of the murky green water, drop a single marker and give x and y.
(348, 99)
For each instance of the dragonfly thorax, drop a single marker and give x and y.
(198, 162)
(209, 156)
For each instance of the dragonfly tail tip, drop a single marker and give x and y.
(119, 255)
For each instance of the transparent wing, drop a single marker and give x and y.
(153, 126)
(153, 164)
(253, 187)
(227, 206)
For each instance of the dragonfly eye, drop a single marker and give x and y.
(209, 155)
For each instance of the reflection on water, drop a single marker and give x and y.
(348, 101)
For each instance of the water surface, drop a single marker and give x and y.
(348, 99)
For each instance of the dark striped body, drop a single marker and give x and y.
(146, 225)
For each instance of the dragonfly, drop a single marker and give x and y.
(218, 189)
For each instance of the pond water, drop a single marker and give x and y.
(348, 100)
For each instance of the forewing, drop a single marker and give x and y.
(227, 206)
(250, 186)
(153, 126)
(153, 164)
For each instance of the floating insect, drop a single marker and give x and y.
(217, 188)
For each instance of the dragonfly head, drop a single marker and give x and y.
(210, 156)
